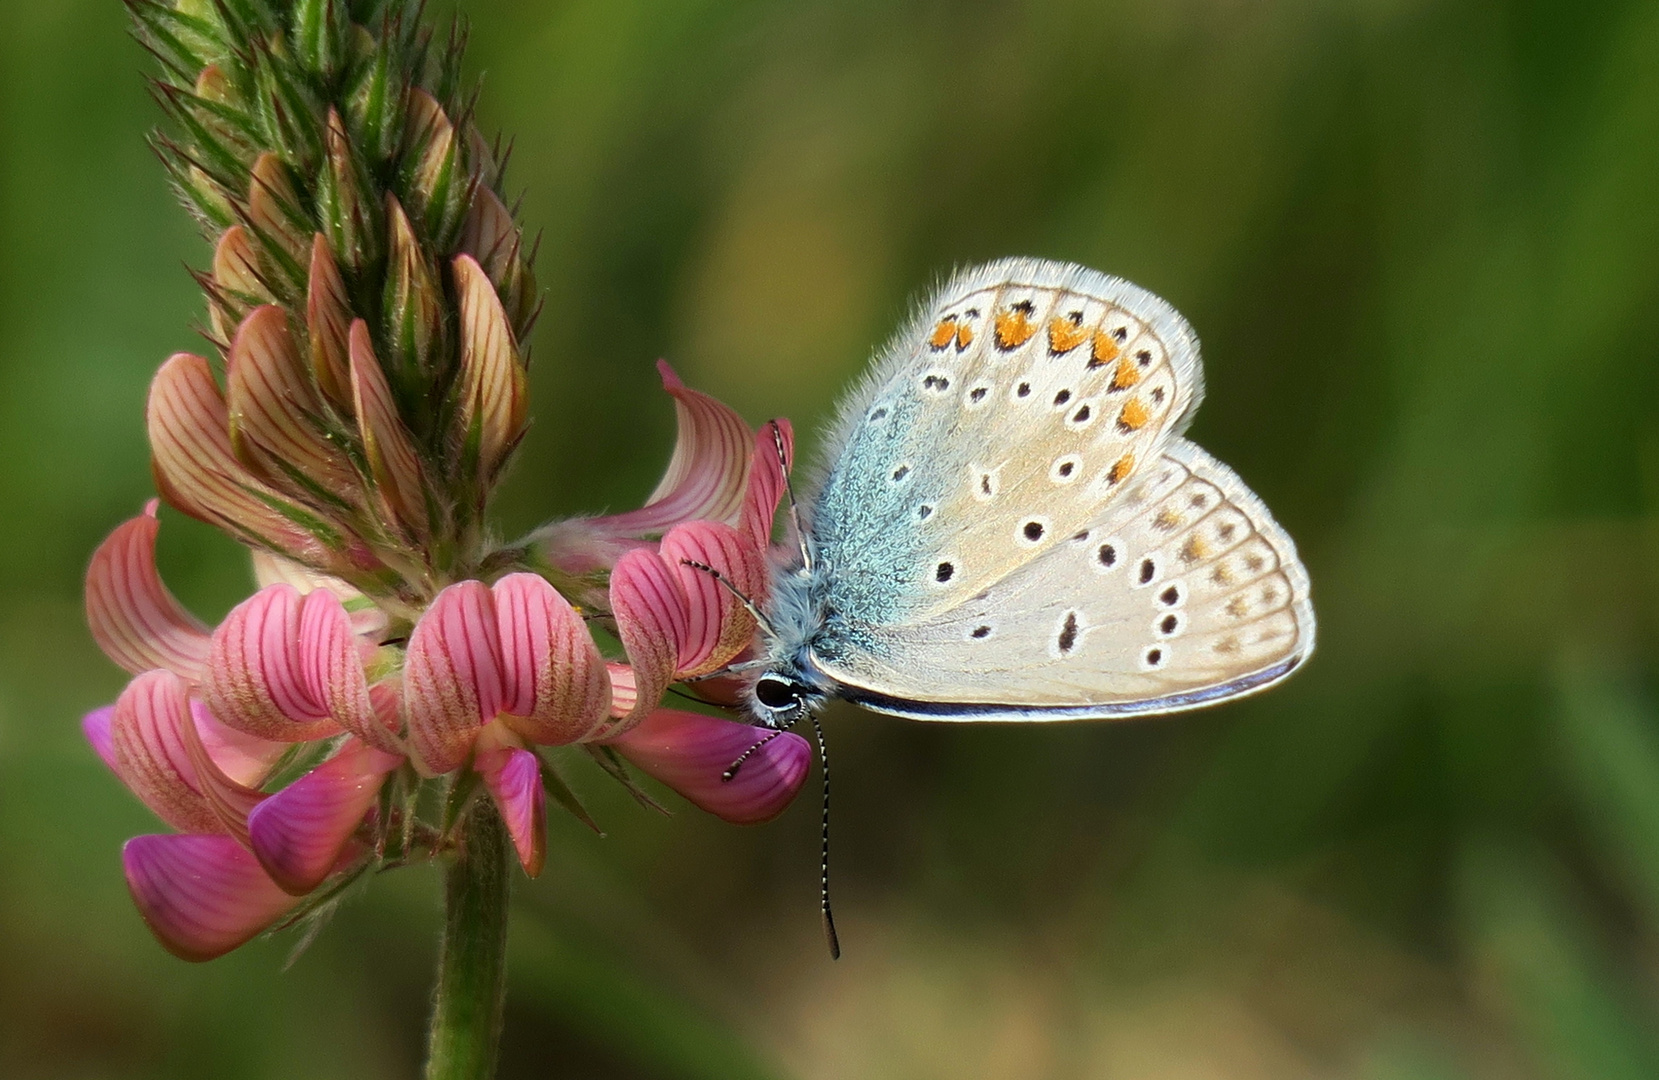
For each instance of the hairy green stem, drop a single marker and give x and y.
(472, 964)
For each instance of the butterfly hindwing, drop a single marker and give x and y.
(1183, 591)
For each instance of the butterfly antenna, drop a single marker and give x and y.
(731, 770)
(747, 603)
(789, 490)
(830, 937)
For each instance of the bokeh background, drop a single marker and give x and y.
(1420, 240)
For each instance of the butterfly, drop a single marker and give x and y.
(1011, 525)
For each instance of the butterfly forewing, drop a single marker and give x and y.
(1029, 397)
(1182, 591)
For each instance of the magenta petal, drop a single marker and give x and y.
(452, 675)
(513, 777)
(95, 726)
(201, 896)
(299, 833)
(689, 752)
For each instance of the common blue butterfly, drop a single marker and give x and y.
(1011, 526)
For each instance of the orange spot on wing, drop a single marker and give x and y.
(1134, 415)
(964, 336)
(1166, 520)
(1104, 351)
(943, 333)
(1014, 326)
(1120, 469)
(1194, 549)
(1126, 375)
(1065, 335)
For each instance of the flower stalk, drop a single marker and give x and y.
(471, 984)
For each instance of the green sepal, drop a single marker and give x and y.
(374, 108)
(290, 113)
(560, 791)
(319, 36)
(611, 761)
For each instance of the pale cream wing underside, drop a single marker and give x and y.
(1183, 592)
(1032, 396)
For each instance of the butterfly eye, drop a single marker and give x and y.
(776, 693)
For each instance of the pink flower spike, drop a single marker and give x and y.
(452, 675)
(95, 725)
(652, 621)
(719, 626)
(555, 689)
(298, 834)
(689, 752)
(133, 617)
(201, 896)
(513, 777)
(707, 474)
(766, 481)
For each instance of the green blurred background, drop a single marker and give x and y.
(1420, 239)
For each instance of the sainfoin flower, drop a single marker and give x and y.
(289, 744)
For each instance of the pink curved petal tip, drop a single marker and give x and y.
(201, 896)
(133, 617)
(689, 752)
(513, 777)
(95, 726)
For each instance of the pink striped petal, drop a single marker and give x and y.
(332, 661)
(555, 687)
(95, 725)
(689, 752)
(494, 396)
(238, 282)
(259, 680)
(274, 413)
(707, 474)
(513, 777)
(452, 675)
(624, 692)
(393, 462)
(201, 896)
(328, 322)
(719, 625)
(133, 617)
(151, 756)
(299, 833)
(766, 481)
(198, 474)
(652, 621)
(159, 754)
